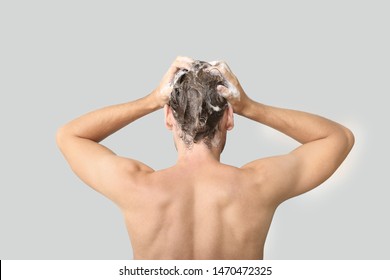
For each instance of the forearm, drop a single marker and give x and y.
(301, 126)
(99, 124)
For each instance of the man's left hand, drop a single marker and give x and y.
(164, 90)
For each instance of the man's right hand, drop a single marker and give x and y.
(233, 91)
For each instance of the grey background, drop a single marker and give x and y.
(60, 59)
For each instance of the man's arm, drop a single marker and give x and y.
(325, 143)
(97, 165)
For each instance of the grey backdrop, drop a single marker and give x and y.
(60, 59)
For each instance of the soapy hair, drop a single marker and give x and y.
(196, 105)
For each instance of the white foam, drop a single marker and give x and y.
(234, 91)
(215, 108)
(165, 89)
(180, 73)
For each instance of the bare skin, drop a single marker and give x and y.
(201, 208)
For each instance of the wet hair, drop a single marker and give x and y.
(196, 105)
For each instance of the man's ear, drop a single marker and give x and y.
(168, 117)
(230, 118)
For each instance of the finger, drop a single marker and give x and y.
(214, 70)
(226, 66)
(224, 91)
(219, 69)
(184, 58)
(183, 62)
(178, 66)
(177, 76)
(223, 67)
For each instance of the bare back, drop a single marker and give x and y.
(208, 212)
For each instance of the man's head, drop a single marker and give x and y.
(197, 108)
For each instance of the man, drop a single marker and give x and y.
(201, 208)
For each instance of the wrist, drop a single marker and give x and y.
(252, 109)
(153, 102)
(243, 106)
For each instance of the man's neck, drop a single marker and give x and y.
(197, 153)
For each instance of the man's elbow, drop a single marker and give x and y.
(349, 138)
(61, 135)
